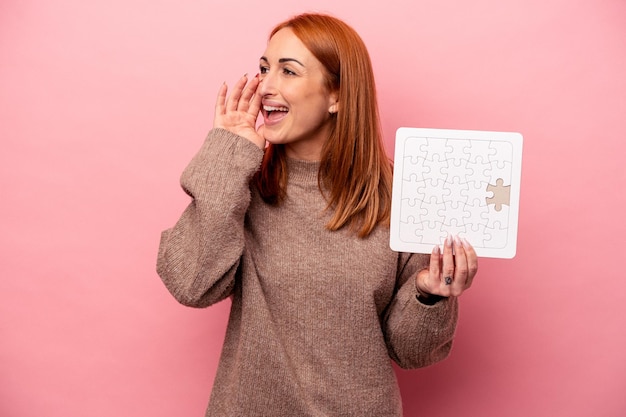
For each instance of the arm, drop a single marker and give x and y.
(418, 334)
(199, 256)
(421, 320)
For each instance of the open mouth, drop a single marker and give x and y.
(273, 113)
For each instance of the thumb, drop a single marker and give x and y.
(261, 131)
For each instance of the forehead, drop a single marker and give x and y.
(285, 44)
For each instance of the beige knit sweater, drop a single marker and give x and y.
(316, 315)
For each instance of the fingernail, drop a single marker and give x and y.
(245, 75)
(465, 243)
(457, 241)
(449, 240)
(436, 250)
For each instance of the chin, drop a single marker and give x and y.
(276, 139)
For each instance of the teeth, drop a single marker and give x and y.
(271, 108)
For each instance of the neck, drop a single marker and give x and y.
(310, 149)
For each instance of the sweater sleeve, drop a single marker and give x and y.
(199, 256)
(417, 334)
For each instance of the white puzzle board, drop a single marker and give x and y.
(456, 182)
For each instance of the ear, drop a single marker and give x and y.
(333, 103)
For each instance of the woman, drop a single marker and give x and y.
(296, 232)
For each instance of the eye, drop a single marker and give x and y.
(287, 71)
(263, 69)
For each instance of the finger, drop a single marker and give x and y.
(460, 268)
(232, 102)
(434, 278)
(248, 94)
(472, 262)
(447, 270)
(220, 102)
(255, 101)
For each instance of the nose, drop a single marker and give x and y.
(267, 84)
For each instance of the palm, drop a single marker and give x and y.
(239, 111)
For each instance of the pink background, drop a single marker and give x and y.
(103, 103)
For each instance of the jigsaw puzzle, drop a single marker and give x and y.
(456, 182)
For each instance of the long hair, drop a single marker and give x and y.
(354, 169)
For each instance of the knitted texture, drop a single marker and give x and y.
(316, 315)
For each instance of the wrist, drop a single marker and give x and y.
(425, 297)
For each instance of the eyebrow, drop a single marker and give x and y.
(283, 60)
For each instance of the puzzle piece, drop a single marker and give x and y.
(411, 209)
(411, 230)
(498, 236)
(455, 228)
(463, 171)
(437, 189)
(456, 187)
(413, 147)
(433, 147)
(495, 216)
(432, 233)
(435, 166)
(432, 208)
(482, 149)
(414, 167)
(453, 210)
(459, 151)
(481, 169)
(477, 191)
(477, 236)
(478, 214)
(502, 170)
(503, 152)
(411, 187)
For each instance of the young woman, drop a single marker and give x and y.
(290, 220)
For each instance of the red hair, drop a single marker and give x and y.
(354, 167)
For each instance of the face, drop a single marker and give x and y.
(296, 104)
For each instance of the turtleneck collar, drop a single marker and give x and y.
(303, 172)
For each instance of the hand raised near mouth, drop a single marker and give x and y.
(238, 111)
